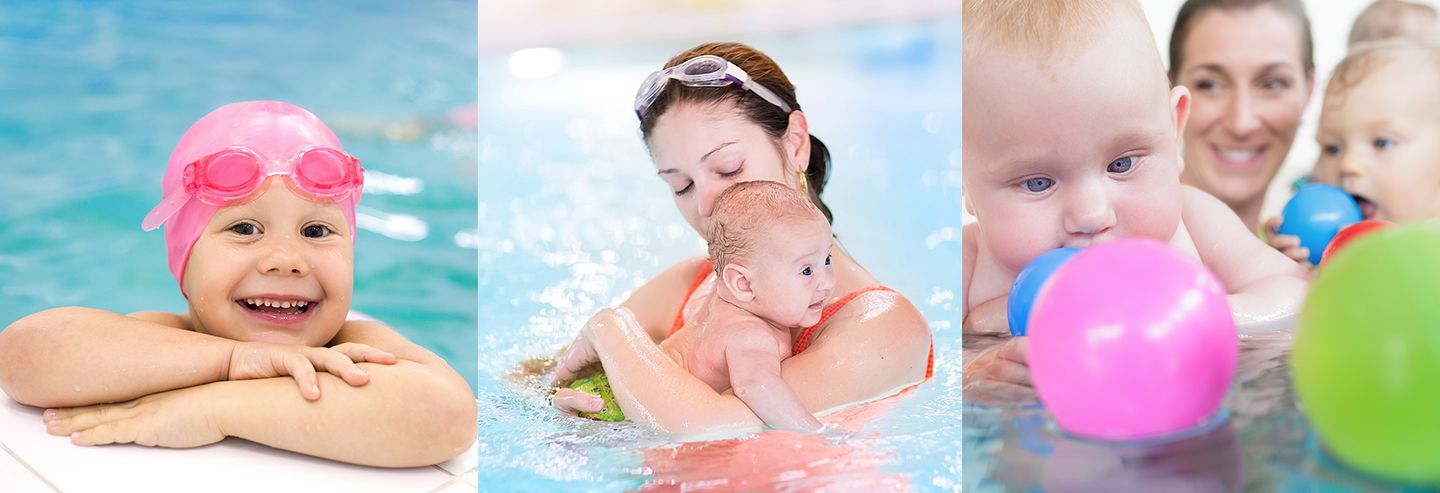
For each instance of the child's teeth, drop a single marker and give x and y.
(258, 302)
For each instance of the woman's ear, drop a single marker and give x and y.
(796, 142)
(737, 280)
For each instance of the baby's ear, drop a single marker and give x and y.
(737, 280)
(1180, 114)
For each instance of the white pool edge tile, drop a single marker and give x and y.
(10, 456)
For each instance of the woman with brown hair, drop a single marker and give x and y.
(716, 115)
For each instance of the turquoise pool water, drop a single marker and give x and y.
(94, 95)
(1265, 445)
(572, 218)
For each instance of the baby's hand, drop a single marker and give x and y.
(174, 419)
(577, 357)
(1287, 244)
(264, 360)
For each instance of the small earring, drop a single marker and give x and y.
(804, 183)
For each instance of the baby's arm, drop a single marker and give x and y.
(753, 359)
(1265, 287)
(76, 356)
(988, 317)
(415, 412)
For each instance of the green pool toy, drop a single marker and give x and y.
(1367, 355)
(600, 385)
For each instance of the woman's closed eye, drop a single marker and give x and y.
(688, 186)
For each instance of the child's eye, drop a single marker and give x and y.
(827, 260)
(806, 271)
(685, 190)
(315, 231)
(1038, 184)
(1330, 150)
(1122, 165)
(245, 229)
(1383, 143)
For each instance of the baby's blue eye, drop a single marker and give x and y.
(827, 260)
(244, 229)
(1330, 150)
(1038, 185)
(806, 271)
(1121, 165)
(1383, 143)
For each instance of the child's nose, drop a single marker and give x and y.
(284, 261)
(1088, 214)
(1351, 166)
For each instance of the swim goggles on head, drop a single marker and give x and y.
(701, 71)
(234, 173)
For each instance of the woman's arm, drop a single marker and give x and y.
(415, 412)
(652, 302)
(872, 348)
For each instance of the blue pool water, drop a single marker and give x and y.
(1265, 445)
(94, 96)
(572, 217)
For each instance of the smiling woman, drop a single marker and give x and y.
(1250, 69)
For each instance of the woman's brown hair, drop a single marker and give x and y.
(769, 117)
(1185, 22)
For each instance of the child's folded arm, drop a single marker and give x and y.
(74, 356)
(988, 318)
(1265, 287)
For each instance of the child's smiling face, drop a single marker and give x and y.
(278, 268)
(1383, 135)
(1078, 151)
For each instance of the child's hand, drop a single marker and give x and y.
(999, 373)
(264, 360)
(175, 419)
(1286, 244)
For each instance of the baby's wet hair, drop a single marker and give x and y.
(746, 212)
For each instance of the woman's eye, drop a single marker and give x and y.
(245, 229)
(1383, 143)
(1330, 150)
(315, 231)
(1038, 184)
(806, 271)
(685, 190)
(1275, 84)
(1207, 85)
(736, 171)
(1122, 165)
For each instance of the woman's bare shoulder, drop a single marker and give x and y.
(176, 320)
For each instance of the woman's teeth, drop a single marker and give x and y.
(1237, 154)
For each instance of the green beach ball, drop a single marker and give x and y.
(1366, 361)
(599, 384)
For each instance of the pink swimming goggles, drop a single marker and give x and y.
(235, 173)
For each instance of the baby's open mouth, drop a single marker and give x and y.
(279, 307)
(1367, 208)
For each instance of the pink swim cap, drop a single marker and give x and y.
(274, 129)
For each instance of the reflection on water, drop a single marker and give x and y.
(1265, 445)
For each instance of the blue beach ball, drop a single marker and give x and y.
(1315, 214)
(1028, 283)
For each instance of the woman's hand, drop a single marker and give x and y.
(999, 373)
(251, 360)
(1286, 244)
(174, 419)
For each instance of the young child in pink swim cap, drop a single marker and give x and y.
(258, 207)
